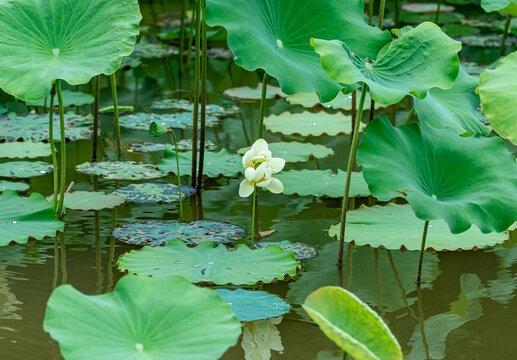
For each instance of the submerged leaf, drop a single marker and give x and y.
(154, 193)
(309, 124)
(120, 170)
(216, 164)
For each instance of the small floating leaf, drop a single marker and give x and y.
(247, 93)
(300, 250)
(142, 121)
(217, 164)
(309, 124)
(25, 169)
(184, 105)
(23, 150)
(296, 151)
(154, 193)
(15, 186)
(183, 145)
(86, 200)
(341, 102)
(120, 170)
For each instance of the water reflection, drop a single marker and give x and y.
(261, 337)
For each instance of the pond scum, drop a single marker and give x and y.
(265, 178)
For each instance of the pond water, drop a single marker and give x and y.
(465, 310)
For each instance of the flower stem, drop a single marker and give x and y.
(178, 174)
(62, 149)
(505, 34)
(410, 115)
(263, 104)
(182, 43)
(370, 12)
(113, 81)
(351, 158)
(189, 48)
(196, 94)
(422, 250)
(253, 206)
(52, 145)
(381, 13)
(204, 62)
(437, 17)
(95, 112)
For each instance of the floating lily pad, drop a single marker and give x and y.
(160, 233)
(396, 227)
(300, 250)
(14, 186)
(254, 305)
(25, 169)
(341, 102)
(309, 124)
(70, 98)
(184, 105)
(154, 193)
(322, 183)
(26, 149)
(429, 166)
(24, 218)
(153, 51)
(142, 121)
(426, 8)
(296, 152)
(144, 318)
(183, 145)
(208, 263)
(120, 170)
(247, 93)
(35, 127)
(504, 6)
(86, 200)
(492, 41)
(217, 164)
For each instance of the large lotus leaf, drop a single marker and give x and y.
(72, 40)
(300, 250)
(309, 124)
(142, 121)
(35, 127)
(254, 305)
(216, 163)
(120, 170)
(430, 168)
(279, 33)
(86, 200)
(24, 218)
(296, 151)
(184, 105)
(25, 169)
(504, 6)
(143, 319)
(70, 98)
(160, 233)
(15, 186)
(420, 59)
(322, 183)
(352, 324)
(498, 92)
(247, 93)
(183, 145)
(208, 263)
(22, 150)
(455, 108)
(401, 229)
(154, 193)
(341, 102)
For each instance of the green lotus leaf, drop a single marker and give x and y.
(25, 169)
(74, 40)
(160, 233)
(143, 319)
(296, 151)
(322, 183)
(309, 124)
(279, 32)
(208, 263)
(498, 92)
(254, 305)
(86, 200)
(216, 164)
(300, 250)
(455, 108)
(341, 102)
(420, 59)
(504, 6)
(184, 105)
(183, 145)
(429, 166)
(120, 170)
(352, 324)
(154, 193)
(34, 127)
(21, 150)
(247, 93)
(401, 229)
(70, 98)
(142, 121)
(24, 218)
(14, 186)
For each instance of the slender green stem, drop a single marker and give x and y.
(189, 49)
(178, 174)
(182, 42)
(351, 157)
(354, 110)
(263, 104)
(410, 115)
(113, 81)
(397, 13)
(137, 85)
(204, 63)
(45, 105)
(52, 145)
(370, 12)
(253, 205)
(438, 6)
(95, 112)
(505, 34)
(62, 149)
(422, 250)
(196, 94)
(381, 13)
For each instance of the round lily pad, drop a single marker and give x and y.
(341, 102)
(24, 218)
(396, 227)
(247, 93)
(160, 233)
(142, 121)
(183, 145)
(120, 170)
(208, 263)
(144, 318)
(217, 164)
(86, 200)
(70, 98)
(309, 124)
(26, 149)
(426, 8)
(300, 250)
(322, 183)
(254, 305)
(25, 169)
(154, 193)
(147, 50)
(184, 105)
(296, 151)
(15, 186)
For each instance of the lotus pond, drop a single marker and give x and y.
(258, 179)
